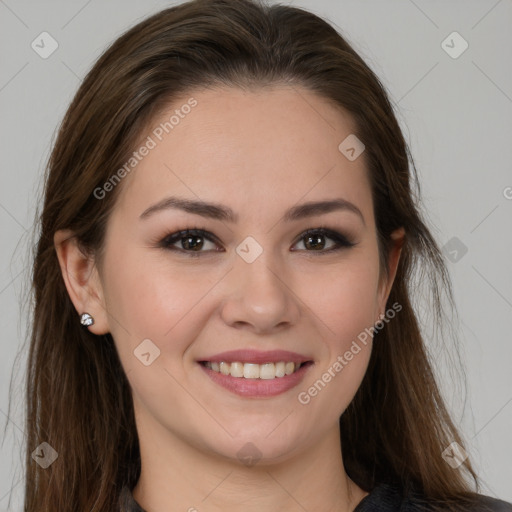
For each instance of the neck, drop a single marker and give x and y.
(175, 476)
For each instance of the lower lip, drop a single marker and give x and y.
(257, 388)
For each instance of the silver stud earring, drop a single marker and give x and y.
(86, 319)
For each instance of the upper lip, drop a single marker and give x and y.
(257, 357)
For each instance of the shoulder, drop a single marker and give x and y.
(127, 502)
(390, 498)
(486, 503)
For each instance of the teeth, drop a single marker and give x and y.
(289, 368)
(265, 371)
(268, 371)
(280, 369)
(224, 368)
(237, 370)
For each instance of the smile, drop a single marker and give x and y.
(251, 380)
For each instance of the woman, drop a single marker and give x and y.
(222, 283)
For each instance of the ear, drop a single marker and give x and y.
(398, 239)
(82, 280)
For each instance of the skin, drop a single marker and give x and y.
(258, 152)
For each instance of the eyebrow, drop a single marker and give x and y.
(223, 213)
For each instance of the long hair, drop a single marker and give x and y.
(77, 395)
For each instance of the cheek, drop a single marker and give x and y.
(343, 301)
(343, 298)
(149, 298)
(346, 312)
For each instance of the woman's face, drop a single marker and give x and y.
(248, 281)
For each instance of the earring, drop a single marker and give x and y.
(86, 319)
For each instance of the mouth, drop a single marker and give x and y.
(254, 374)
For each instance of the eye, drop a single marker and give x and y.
(194, 241)
(314, 240)
(190, 241)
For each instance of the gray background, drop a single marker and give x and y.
(456, 114)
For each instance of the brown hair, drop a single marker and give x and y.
(78, 398)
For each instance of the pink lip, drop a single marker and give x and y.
(257, 388)
(257, 357)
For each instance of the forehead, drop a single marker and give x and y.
(259, 148)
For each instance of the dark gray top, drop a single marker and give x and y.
(388, 498)
(383, 498)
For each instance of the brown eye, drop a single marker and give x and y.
(193, 242)
(190, 241)
(314, 240)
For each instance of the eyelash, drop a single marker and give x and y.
(167, 242)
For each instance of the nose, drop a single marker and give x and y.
(259, 298)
